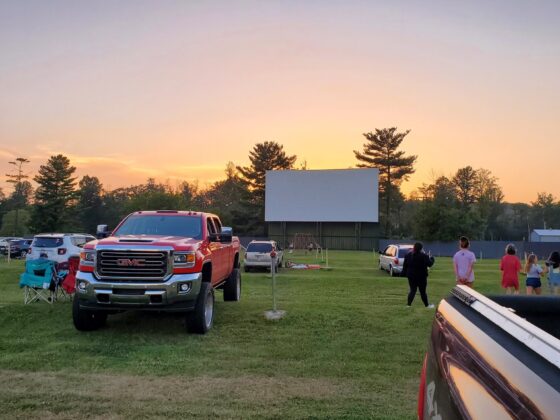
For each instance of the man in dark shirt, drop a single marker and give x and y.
(415, 268)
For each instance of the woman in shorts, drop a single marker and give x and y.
(510, 266)
(534, 272)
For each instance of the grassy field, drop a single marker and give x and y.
(348, 348)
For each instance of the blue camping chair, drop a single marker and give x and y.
(39, 281)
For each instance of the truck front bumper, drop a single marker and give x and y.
(168, 296)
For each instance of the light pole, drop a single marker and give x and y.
(16, 180)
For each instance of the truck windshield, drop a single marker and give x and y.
(189, 227)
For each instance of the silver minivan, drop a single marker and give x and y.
(391, 259)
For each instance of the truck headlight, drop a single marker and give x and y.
(184, 259)
(87, 257)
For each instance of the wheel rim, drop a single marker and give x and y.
(208, 310)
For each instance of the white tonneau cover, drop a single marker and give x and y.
(533, 337)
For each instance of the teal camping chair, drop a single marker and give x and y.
(38, 280)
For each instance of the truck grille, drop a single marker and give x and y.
(132, 265)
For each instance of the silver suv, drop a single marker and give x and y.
(391, 259)
(58, 246)
(258, 255)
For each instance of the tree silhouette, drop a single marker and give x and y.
(381, 152)
(54, 194)
(264, 157)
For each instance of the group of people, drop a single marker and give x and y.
(416, 264)
(511, 267)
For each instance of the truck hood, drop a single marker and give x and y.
(177, 242)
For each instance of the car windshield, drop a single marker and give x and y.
(404, 251)
(264, 247)
(17, 242)
(47, 242)
(189, 227)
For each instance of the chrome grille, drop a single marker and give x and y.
(132, 265)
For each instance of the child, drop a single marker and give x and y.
(463, 262)
(510, 266)
(534, 272)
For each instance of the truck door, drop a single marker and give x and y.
(225, 250)
(217, 252)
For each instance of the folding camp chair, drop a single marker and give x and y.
(66, 279)
(39, 281)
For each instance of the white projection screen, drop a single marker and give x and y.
(333, 195)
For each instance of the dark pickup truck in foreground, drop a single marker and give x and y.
(492, 358)
(164, 261)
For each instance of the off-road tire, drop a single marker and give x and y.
(232, 286)
(200, 321)
(86, 320)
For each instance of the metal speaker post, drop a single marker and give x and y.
(274, 314)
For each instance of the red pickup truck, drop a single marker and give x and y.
(161, 260)
(492, 357)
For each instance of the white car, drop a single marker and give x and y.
(58, 246)
(392, 258)
(258, 255)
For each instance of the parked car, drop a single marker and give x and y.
(492, 357)
(18, 248)
(162, 261)
(58, 246)
(4, 242)
(391, 259)
(257, 255)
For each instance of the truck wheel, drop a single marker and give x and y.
(200, 321)
(232, 287)
(247, 269)
(85, 320)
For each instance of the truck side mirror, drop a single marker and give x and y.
(226, 235)
(102, 231)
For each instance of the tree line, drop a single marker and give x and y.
(469, 202)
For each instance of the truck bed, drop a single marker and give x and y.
(492, 357)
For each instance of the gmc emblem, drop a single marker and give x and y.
(127, 262)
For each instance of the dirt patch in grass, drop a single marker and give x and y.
(50, 394)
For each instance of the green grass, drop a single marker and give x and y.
(348, 348)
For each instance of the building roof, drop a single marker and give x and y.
(547, 232)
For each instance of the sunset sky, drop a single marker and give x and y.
(176, 89)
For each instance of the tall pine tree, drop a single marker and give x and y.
(381, 152)
(264, 157)
(54, 195)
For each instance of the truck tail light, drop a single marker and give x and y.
(61, 251)
(422, 390)
(396, 261)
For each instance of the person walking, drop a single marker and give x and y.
(510, 266)
(534, 272)
(415, 268)
(463, 263)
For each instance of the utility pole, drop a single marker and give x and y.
(16, 179)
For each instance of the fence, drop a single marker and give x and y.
(482, 249)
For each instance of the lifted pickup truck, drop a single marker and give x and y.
(160, 261)
(492, 358)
